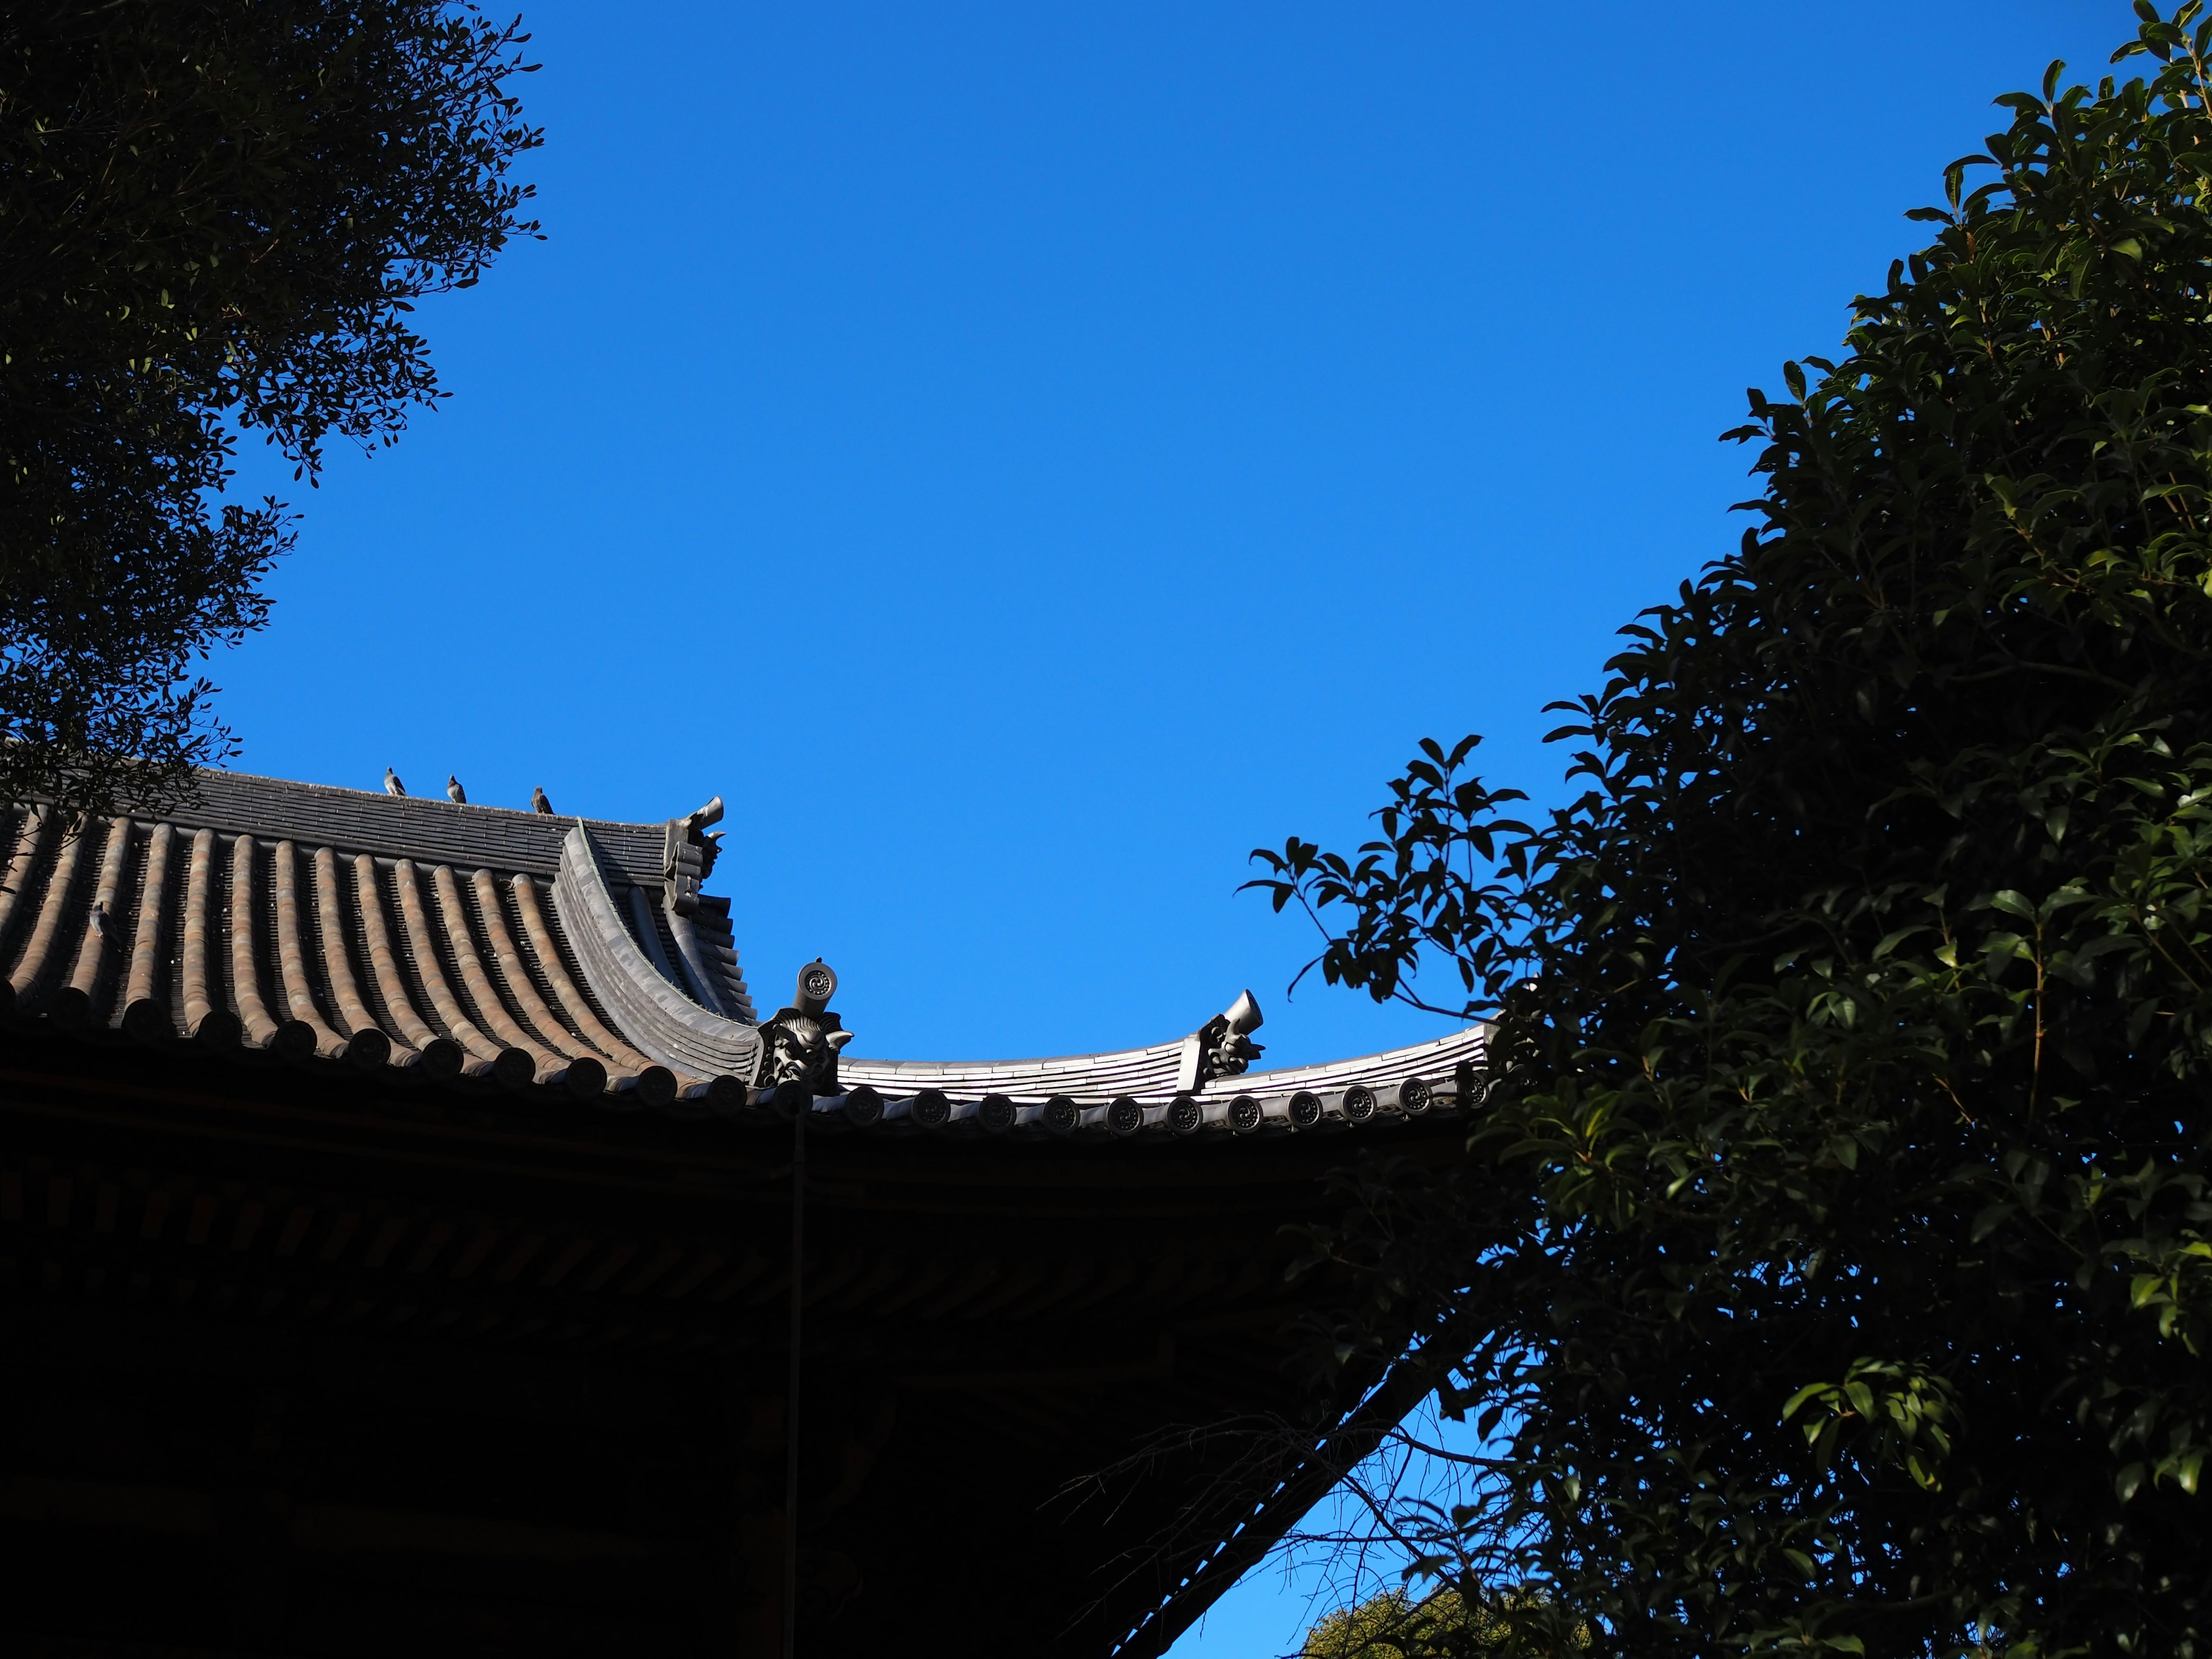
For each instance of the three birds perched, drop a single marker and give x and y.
(460, 796)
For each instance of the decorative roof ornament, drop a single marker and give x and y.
(700, 926)
(688, 856)
(1222, 1047)
(801, 1043)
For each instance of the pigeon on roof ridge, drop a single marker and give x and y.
(392, 784)
(454, 793)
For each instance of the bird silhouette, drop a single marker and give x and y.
(538, 801)
(454, 791)
(392, 784)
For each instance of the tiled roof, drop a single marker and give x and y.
(459, 943)
(407, 826)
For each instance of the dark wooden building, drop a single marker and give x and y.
(397, 1256)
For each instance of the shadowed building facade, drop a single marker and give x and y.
(397, 1255)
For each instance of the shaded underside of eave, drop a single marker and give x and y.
(1050, 1349)
(568, 1246)
(568, 1243)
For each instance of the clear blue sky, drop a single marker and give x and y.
(1024, 457)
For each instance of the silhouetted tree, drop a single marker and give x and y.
(216, 216)
(1854, 1043)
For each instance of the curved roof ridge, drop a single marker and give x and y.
(1006, 1060)
(1150, 1073)
(1388, 1065)
(652, 1011)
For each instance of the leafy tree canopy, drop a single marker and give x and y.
(214, 218)
(1395, 1625)
(1444, 1625)
(1831, 1271)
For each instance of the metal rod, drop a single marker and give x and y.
(791, 1387)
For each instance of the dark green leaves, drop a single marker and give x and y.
(1854, 1043)
(215, 219)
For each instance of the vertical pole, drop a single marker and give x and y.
(791, 1387)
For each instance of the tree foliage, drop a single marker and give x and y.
(1849, 1081)
(1393, 1625)
(216, 216)
(1447, 1624)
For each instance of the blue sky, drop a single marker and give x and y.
(1024, 458)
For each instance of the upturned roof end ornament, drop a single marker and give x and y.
(688, 855)
(1223, 1046)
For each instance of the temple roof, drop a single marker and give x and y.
(476, 946)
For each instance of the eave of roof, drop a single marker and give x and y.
(470, 945)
